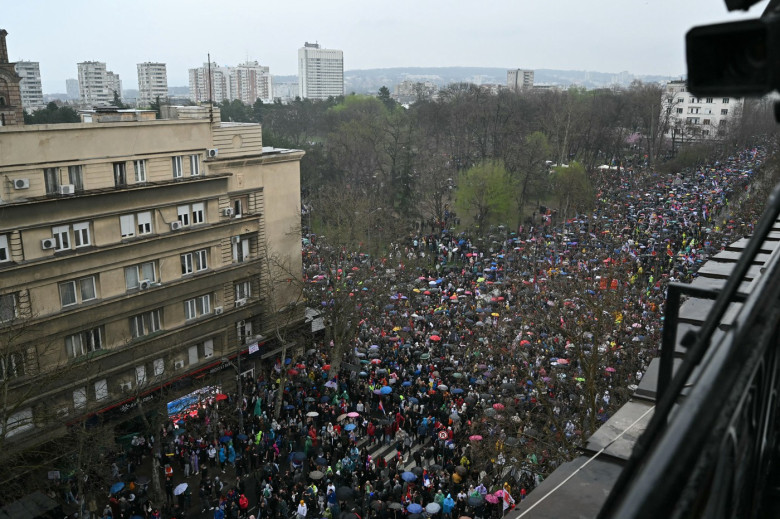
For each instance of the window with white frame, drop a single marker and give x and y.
(195, 165)
(51, 179)
(76, 177)
(725, 100)
(243, 290)
(244, 331)
(183, 212)
(709, 99)
(84, 342)
(197, 306)
(5, 250)
(61, 234)
(8, 307)
(208, 348)
(141, 272)
(194, 261)
(146, 323)
(176, 166)
(135, 224)
(139, 166)
(80, 398)
(679, 110)
(724, 111)
(12, 365)
(241, 250)
(81, 235)
(101, 390)
(19, 422)
(159, 367)
(78, 291)
(191, 214)
(192, 355)
(198, 213)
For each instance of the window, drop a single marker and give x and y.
(240, 206)
(725, 100)
(198, 211)
(139, 166)
(192, 354)
(5, 250)
(724, 111)
(693, 110)
(208, 349)
(132, 224)
(77, 291)
(706, 121)
(84, 342)
(709, 99)
(679, 110)
(197, 307)
(243, 290)
(12, 365)
(194, 165)
(194, 262)
(145, 323)
(51, 177)
(194, 214)
(19, 422)
(81, 234)
(241, 250)
(692, 100)
(137, 273)
(76, 178)
(8, 307)
(101, 390)
(679, 99)
(140, 375)
(244, 331)
(176, 167)
(722, 124)
(184, 214)
(120, 174)
(80, 398)
(705, 132)
(159, 367)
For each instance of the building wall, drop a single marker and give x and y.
(96, 84)
(693, 118)
(152, 83)
(320, 72)
(237, 247)
(520, 79)
(30, 85)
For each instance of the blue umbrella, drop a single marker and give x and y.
(289, 406)
(324, 399)
(414, 508)
(116, 487)
(410, 476)
(242, 436)
(298, 456)
(349, 427)
(456, 391)
(414, 400)
(406, 383)
(225, 439)
(385, 390)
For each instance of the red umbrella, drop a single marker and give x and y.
(498, 406)
(525, 342)
(376, 361)
(326, 367)
(221, 396)
(435, 338)
(292, 372)
(563, 361)
(475, 437)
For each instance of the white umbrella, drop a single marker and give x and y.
(312, 414)
(180, 488)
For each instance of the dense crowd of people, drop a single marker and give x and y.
(479, 362)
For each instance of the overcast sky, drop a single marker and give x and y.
(639, 36)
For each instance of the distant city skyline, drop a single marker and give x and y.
(607, 36)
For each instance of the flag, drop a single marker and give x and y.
(382, 408)
(508, 500)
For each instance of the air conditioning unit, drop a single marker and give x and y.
(240, 302)
(217, 310)
(48, 243)
(236, 239)
(175, 226)
(126, 386)
(22, 183)
(212, 152)
(144, 284)
(228, 211)
(67, 189)
(179, 364)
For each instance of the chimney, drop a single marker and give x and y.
(3, 47)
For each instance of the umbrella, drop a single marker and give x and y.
(563, 362)
(456, 391)
(490, 498)
(309, 399)
(377, 505)
(435, 468)
(409, 476)
(142, 480)
(349, 427)
(341, 417)
(498, 406)
(442, 387)
(324, 399)
(395, 506)
(417, 470)
(353, 414)
(117, 487)
(385, 390)
(221, 396)
(225, 439)
(475, 501)
(432, 508)
(180, 488)
(475, 437)
(320, 461)
(298, 456)
(610, 370)
(242, 437)
(435, 338)
(316, 474)
(460, 469)
(331, 384)
(414, 508)
(312, 414)
(343, 493)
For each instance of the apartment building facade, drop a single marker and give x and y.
(320, 72)
(520, 79)
(97, 84)
(152, 83)
(691, 118)
(133, 254)
(209, 83)
(30, 85)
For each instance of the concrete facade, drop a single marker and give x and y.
(96, 84)
(11, 111)
(204, 88)
(152, 83)
(519, 79)
(694, 118)
(134, 255)
(30, 85)
(72, 88)
(320, 72)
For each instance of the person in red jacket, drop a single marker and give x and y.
(371, 430)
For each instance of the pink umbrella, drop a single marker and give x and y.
(498, 407)
(475, 437)
(490, 498)
(563, 362)
(610, 370)
(499, 493)
(353, 414)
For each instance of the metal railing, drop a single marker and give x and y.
(707, 452)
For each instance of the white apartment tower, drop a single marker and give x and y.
(691, 118)
(96, 84)
(249, 82)
(320, 72)
(30, 85)
(72, 88)
(200, 86)
(519, 79)
(152, 83)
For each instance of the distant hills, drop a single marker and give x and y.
(369, 81)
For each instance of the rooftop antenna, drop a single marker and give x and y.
(211, 87)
